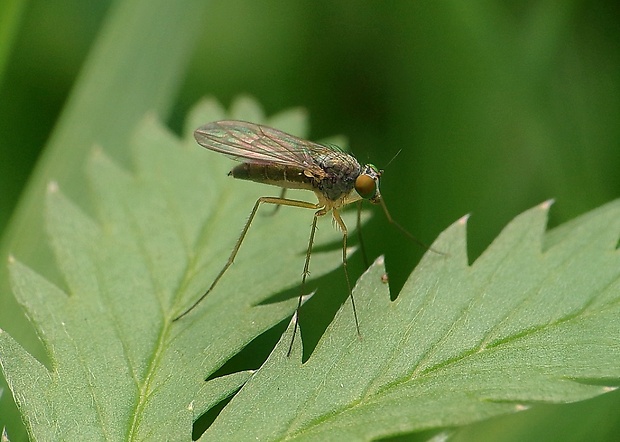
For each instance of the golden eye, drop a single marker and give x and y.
(365, 186)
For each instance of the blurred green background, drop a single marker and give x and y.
(496, 105)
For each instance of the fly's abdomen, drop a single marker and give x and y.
(275, 174)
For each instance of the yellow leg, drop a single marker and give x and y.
(267, 200)
(405, 231)
(359, 235)
(305, 273)
(343, 227)
(277, 207)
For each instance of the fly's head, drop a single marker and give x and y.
(367, 183)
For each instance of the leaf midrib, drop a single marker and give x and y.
(190, 270)
(379, 395)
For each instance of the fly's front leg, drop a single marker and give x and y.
(231, 258)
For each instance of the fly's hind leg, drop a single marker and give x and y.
(266, 200)
(277, 207)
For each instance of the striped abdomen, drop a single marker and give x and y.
(275, 174)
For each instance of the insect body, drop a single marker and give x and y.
(270, 156)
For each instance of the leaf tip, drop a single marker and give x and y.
(463, 220)
(151, 117)
(97, 150)
(52, 187)
(293, 336)
(305, 298)
(547, 204)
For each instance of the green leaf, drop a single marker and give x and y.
(11, 13)
(121, 369)
(534, 319)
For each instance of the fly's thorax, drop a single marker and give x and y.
(275, 174)
(367, 183)
(340, 172)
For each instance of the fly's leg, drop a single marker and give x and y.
(305, 273)
(264, 199)
(405, 231)
(359, 234)
(277, 207)
(343, 228)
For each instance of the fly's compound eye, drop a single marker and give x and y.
(365, 186)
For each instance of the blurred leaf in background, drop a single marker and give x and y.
(495, 105)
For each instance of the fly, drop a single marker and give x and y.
(274, 157)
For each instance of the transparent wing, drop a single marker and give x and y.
(244, 141)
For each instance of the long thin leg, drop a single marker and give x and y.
(305, 273)
(277, 207)
(405, 232)
(264, 199)
(359, 234)
(343, 227)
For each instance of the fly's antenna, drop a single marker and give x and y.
(393, 158)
